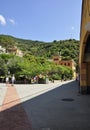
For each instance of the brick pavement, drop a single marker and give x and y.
(45, 111)
(12, 114)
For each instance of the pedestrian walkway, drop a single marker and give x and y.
(12, 114)
(3, 90)
(29, 91)
(54, 106)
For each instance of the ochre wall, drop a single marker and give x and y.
(88, 74)
(84, 33)
(85, 18)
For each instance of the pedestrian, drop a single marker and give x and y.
(13, 79)
(77, 77)
(62, 77)
(7, 80)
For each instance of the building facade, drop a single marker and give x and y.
(69, 63)
(84, 56)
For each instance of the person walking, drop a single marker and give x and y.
(7, 80)
(13, 79)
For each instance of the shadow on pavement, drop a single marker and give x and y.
(62, 108)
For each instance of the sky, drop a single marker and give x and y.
(42, 20)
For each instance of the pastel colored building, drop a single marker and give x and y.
(15, 51)
(70, 63)
(2, 50)
(84, 56)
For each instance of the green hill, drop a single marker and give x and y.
(36, 57)
(69, 49)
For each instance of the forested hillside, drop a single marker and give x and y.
(69, 49)
(36, 55)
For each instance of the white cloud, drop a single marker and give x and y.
(2, 20)
(72, 28)
(12, 21)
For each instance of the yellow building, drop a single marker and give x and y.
(70, 63)
(14, 50)
(84, 56)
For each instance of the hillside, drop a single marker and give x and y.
(69, 49)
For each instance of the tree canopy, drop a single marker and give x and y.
(36, 57)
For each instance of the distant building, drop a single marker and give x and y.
(70, 63)
(2, 50)
(12, 50)
(19, 53)
(15, 51)
(57, 59)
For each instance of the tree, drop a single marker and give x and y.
(13, 65)
(3, 68)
